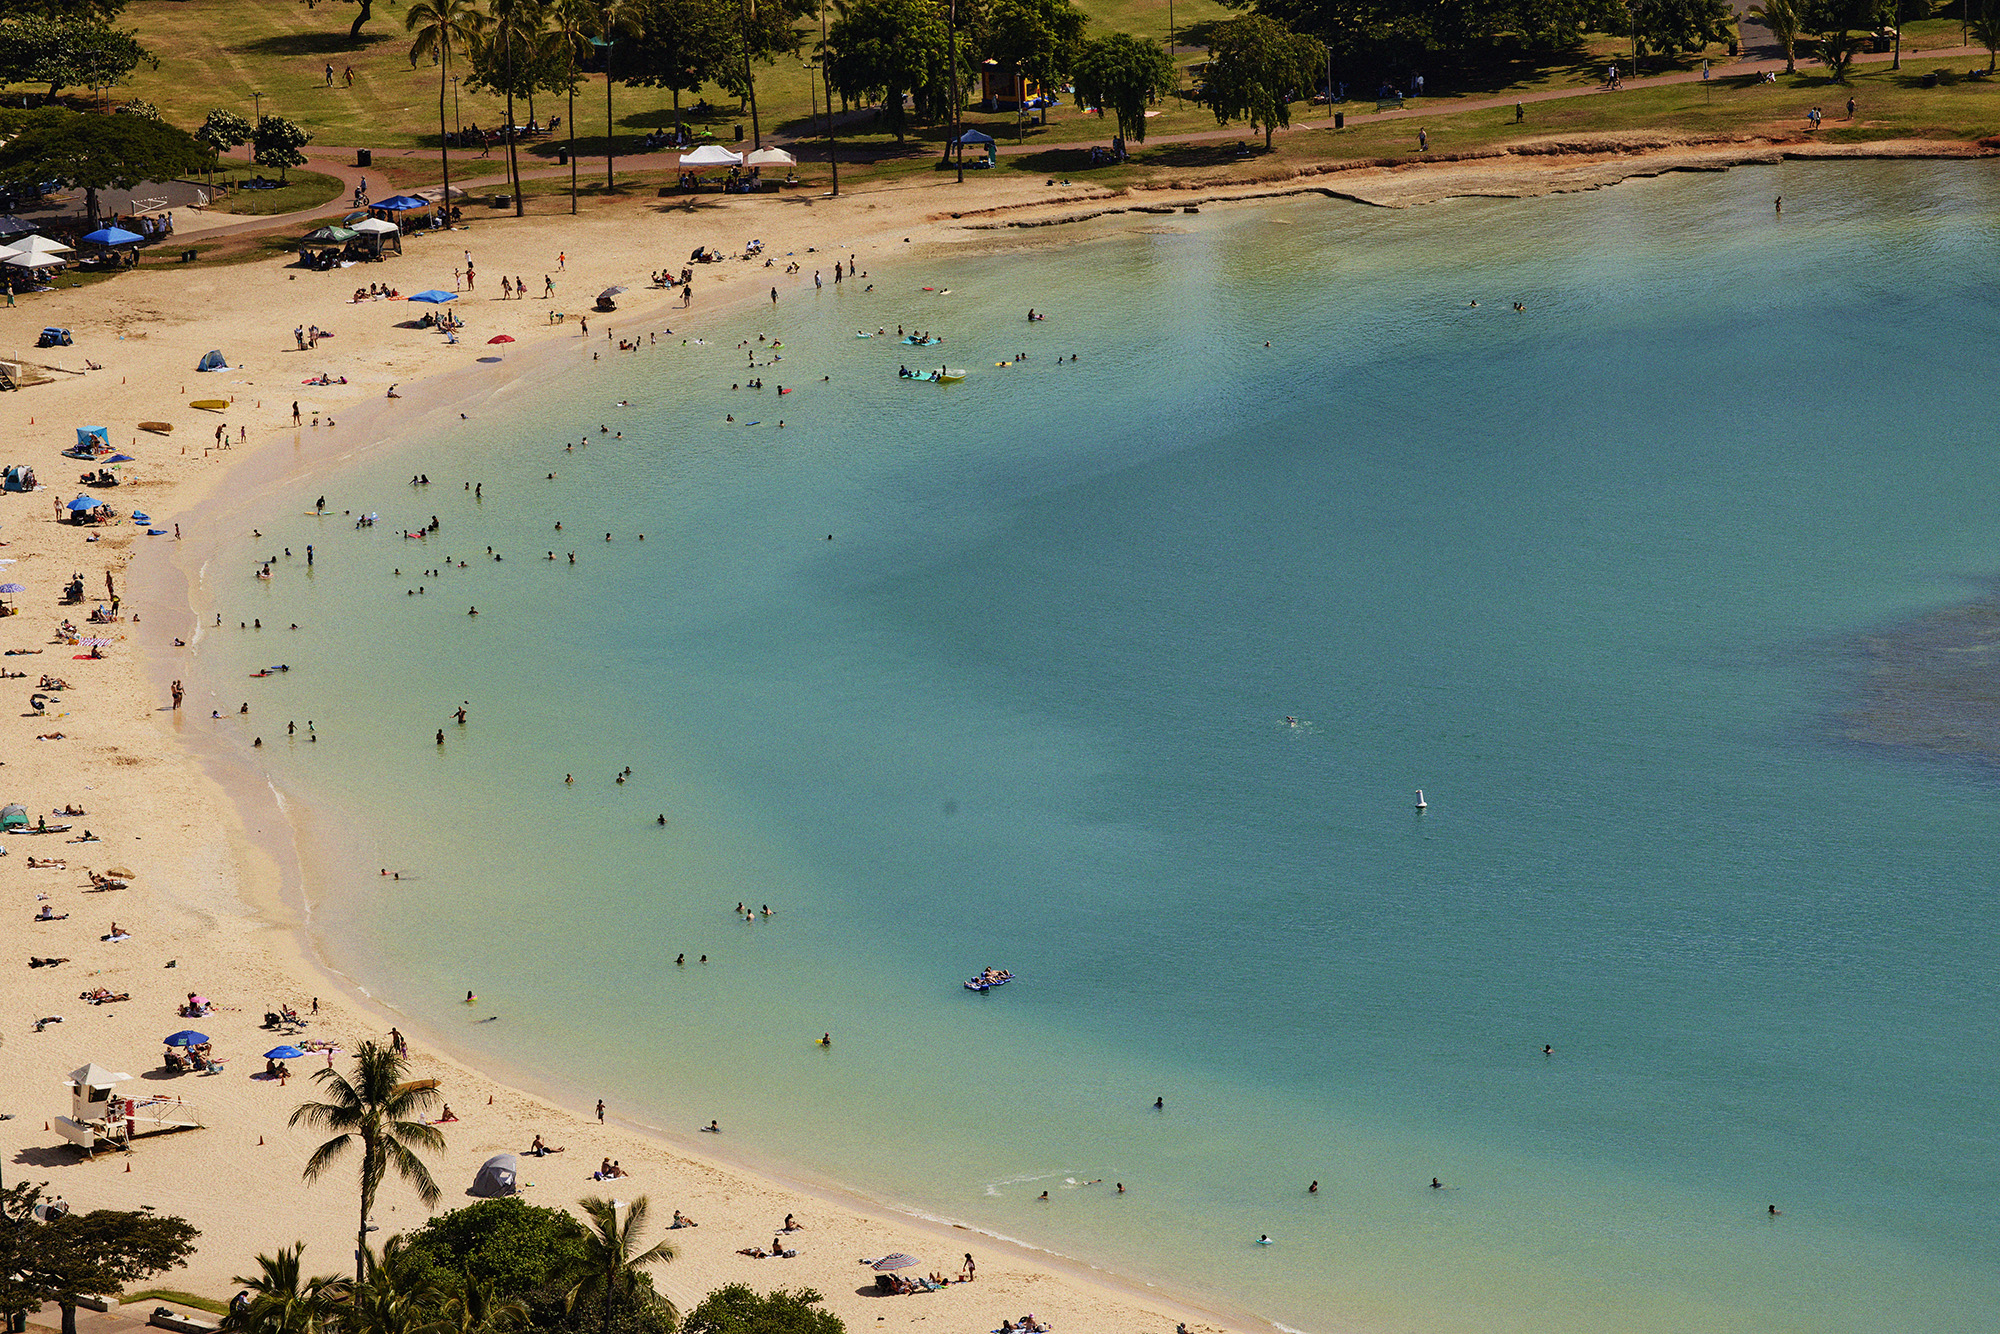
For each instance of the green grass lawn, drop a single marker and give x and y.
(302, 189)
(178, 1298)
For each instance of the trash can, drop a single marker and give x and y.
(498, 201)
(364, 157)
(1340, 120)
(562, 157)
(739, 134)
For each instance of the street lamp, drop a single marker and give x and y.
(824, 56)
(257, 114)
(456, 128)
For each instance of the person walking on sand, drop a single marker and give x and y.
(600, 1111)
(295, 412)
(1423, 141)
(548, 286)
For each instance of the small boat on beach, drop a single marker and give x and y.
(989, 978)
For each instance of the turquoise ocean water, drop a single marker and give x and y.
(1595, 576)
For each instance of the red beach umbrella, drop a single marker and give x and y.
(501, 338)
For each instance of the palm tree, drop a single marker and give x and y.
(613, 17)
(570, 25)
(1986, 31)
(609, 1265)
(375, 1108)
(282, 1300)
(442, 26)
(1785, 19)
(478, 1308)
(396, 1297)
(515, 25)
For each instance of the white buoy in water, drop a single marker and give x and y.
(1421, 803)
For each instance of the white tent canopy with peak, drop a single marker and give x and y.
(711, 155)
(770, 157)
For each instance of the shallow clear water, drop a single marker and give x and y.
(1591, 575)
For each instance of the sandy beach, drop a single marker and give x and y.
(220, 901)
(219, 904)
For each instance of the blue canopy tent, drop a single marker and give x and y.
(214, 361)
(977, 140)
(435, 297)
(114, 236)
(399, 204)
(89, 435)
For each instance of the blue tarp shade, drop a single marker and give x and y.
(400, 203)
(84, 503)
(974, 137)
(119, 458)
(13, 226)
(214, 361)
(435, 297)
(93, 434)
(113, 236)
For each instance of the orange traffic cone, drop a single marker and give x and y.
(260, 1141)
(128, 1167)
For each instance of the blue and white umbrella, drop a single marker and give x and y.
(283, 1054)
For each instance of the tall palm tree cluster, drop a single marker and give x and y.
(595, 1278)
(517, 46)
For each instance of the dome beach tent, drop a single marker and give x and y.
(496, 1177)
(13, 817)
(214, 361)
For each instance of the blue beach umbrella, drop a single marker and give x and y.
(187, 1037)
(113, 236)
(435, 297)
(283, 1054)
(84, 503)
(119, 458)
(13, 588)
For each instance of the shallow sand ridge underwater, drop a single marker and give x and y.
(1571, 570)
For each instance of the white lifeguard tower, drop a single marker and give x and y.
(100, 1116)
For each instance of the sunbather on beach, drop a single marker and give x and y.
(682, 1220)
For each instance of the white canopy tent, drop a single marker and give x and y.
(710, 155)
(41, 245)
(33, 261)
(770, 157)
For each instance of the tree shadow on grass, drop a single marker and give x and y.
(311, 44)
(1211, 153)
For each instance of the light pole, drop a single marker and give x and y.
(456, 127)
(256, 115)
(951, 72)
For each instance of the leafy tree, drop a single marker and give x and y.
(282, 1299)
(137, 107)
(103, 11)
(96, 152)
(1670, 27)
(395, 1295)
(1784, 19)
(519, 1248)
(372, 1111)
(739, 1309)
(1257, 66)
(79, 1255)
(276, 143)
(1985, 27)
(611, 1259)
(68, 53)
(887, 48)
(679, 45)
(442, 27)
(1040, 38)
(367, 12)
(1123, 73)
